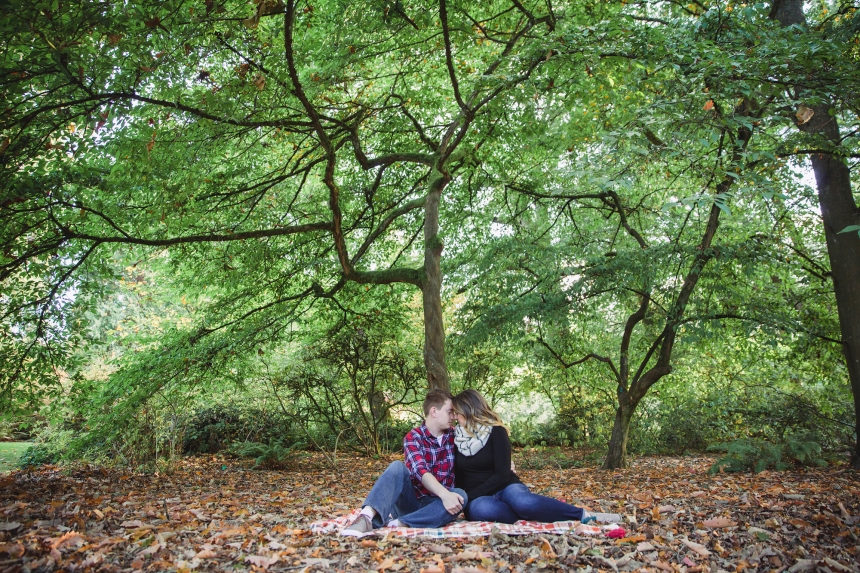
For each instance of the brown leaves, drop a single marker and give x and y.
(719, 522)
(70, 538)
(220, 519)
(700, 549)
(263, 561)
(259, 80)
(546, 550)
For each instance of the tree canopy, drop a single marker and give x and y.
(562, 184)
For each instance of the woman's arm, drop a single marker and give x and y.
(501, 477)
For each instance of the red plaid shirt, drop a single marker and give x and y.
(424, 454)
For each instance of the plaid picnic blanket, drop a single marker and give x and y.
(462, 528)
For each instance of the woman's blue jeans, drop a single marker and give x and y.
(392, 496)
(516, 502)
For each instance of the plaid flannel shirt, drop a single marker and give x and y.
(424, 454)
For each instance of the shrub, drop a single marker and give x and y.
(758, 455)
(50, 448)
(271, 456)
(214, 428)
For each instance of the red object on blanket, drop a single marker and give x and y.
(617, 533)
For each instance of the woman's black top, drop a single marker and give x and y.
(489, 470)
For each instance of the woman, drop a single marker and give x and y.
(482, 462)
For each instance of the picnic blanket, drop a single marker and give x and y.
(462, 528)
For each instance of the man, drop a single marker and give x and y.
(421, 492)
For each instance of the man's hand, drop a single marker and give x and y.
(452, 501)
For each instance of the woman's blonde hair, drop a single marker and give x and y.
(472, 406)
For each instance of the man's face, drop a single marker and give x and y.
(444, 416)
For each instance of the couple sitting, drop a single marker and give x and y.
(424, 493)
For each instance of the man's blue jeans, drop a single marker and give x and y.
(392, 496)
(516, 502)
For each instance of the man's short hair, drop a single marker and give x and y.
(436, 398)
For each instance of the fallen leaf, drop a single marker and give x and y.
(700, 549)
(265, 562)
(205, 554)
(152, 549)
(645, 546)
(440, 549)
(719, 522)
(387, 563)
(16, 550)
(546, 550)
(131, 524)
(709, 105)
(70, 538)
(10, 526)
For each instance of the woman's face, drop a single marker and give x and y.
(461, 419)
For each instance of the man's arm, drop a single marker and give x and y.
(453, 502)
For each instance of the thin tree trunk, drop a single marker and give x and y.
(629, 397)
(616, 457)
(838, 210)
(431, 289)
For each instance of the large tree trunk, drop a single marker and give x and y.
(431, 289)
(838, 210)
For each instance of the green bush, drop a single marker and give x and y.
(758, 455)
(214, 428)
(49, 449)
(270, 456)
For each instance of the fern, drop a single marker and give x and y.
(274, 455)
(759, 455)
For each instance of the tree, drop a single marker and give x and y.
(708, 100)
(275, 152)
(820, 105)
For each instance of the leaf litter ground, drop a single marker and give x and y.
(213, 514)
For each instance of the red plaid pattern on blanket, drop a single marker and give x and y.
(462, 528)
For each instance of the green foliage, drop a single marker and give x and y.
(758, 455)
(219, 200)
(214, 428)
(748, 455)
(272, 455)
(52, 446)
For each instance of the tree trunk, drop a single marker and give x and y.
(629, 397)
(431, 289)
(838, 210)
(616, 457)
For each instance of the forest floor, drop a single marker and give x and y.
(215, 514)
